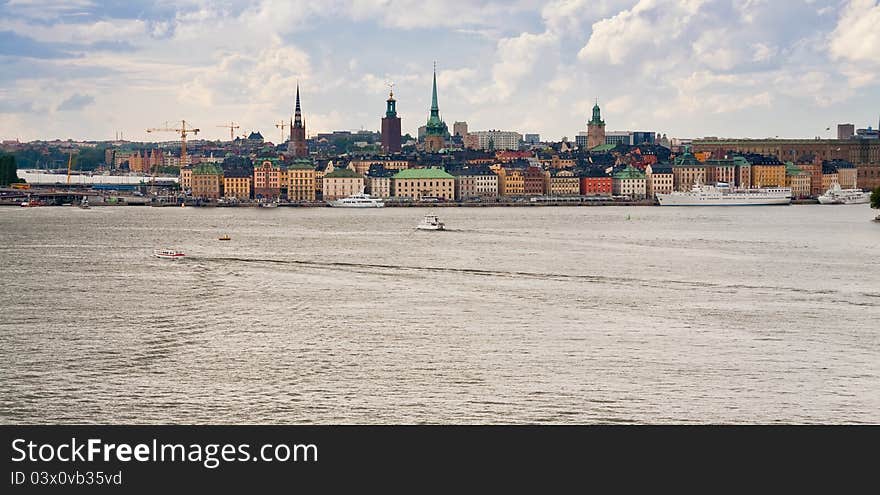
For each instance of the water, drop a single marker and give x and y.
(516, 315)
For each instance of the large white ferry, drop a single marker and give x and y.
(358, 201)
(721, 194)
(835, 195)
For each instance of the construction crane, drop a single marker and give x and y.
(183, 131)
(231, 126)
(282, 125)
(69, 167)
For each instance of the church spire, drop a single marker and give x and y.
(297, 113)
(435, 109)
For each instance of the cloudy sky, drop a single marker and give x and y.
(85, 69)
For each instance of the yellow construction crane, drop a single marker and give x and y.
(282, 125)
(231, 126)
(69, 166)
(183, 131)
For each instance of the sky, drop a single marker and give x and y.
(88, 69)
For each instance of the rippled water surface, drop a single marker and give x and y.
(557, 315)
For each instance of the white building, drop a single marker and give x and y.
(502, 140)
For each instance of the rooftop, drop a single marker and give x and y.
(423, 173)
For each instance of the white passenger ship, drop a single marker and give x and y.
(835, 195)
(721, 194)
(358, 201)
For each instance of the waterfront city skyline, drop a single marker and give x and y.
(87, 70)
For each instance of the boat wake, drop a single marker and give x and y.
(603, 279)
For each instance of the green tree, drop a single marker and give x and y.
(875, 198)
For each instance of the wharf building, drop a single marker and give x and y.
(418, 183)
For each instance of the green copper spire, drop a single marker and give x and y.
(597, 115)
(435, 126)
(435, 109)
(391, 108)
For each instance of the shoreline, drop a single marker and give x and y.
(523, 204)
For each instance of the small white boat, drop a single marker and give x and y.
(836, 195)
(84, 204)
(168, 254)
(431, 222)
(269, 205)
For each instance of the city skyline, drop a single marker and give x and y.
(87, 70)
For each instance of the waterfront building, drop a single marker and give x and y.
(535, 181)
(687, 171)
(721, 170)
(391, 126)
(496, 140)
(629, 182)
(743, 172)
(418, 183)
(301, 180)
(847, 174)
(267, 179)
(659, 179)
(564, 183)
(378, 181)
(185, 178)
(857, 151)
(475, 182)
(510, 181)
(798, 180)
(237, 183)
(595, 128)
(435, 128)
(596, 182)
(767, 171)
(297, 142)
(341, 183)
(207, 181)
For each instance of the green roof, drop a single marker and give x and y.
(301, 165)
(207, 169)
(630, 172)
(423, 173)
(792, 169)
(687, 160)
(343, 172)
(603, 148)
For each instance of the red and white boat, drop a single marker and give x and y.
(168, 254)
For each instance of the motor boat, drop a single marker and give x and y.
(168, 254)
(431, 222)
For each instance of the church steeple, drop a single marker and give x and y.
(435, 108)
(297, 112)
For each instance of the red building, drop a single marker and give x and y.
(391, 127)
(535, 181)
(596, 186)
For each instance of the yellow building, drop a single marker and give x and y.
(768, 174)
(237, 184)
(564, 183)
(418, 183)
(510, 181)
(207, 181)
(798, 180)
(186, 178)
(301, 181)
(342, 183)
